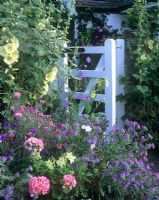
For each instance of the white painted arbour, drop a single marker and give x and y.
(110, 67)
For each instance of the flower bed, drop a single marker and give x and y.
(56, 157)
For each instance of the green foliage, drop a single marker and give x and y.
(141, 81)
(41, 29)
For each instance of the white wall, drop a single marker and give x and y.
(115, 21)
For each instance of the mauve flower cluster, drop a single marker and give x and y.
(131, 171)
(34, 144)
(135, 177)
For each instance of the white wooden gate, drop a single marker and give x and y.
(110, 67)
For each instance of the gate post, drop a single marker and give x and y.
(63, 80)
(120, 57)
(110, 74)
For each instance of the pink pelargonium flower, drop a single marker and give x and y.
(69, 181)
(42, 102)
(18, 115)
(39, 185)
(59, 146)
(34, 144)
(17, 95)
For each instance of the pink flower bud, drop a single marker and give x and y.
(29, 134)
(18, 115)
(62, 126)
(42, 102)
(58, 131)
(59, 146)
(11, 135)
(17, 95)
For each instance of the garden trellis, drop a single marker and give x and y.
(110, 67)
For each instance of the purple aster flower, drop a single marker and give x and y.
(43, 152)
(4, 158)
(5, 124)
(14, 125)
(95, 160)
(46, 129)
(92, 141)
(34, 130)
(2, 138)
(10, 153)
(142, 138)
(88, 59)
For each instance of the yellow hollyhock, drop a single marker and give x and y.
(43, 93)
(70, 157)
(15, 42)
(143, 57)
(54, 70)
(15, 55)
(10, 48)
(46, 87)
(9, 59)
(41, 26)
(50, 77)
(150, 44)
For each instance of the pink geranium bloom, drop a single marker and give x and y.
(39, 185)
(69, 181)
(17, 95)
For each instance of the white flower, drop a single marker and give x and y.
(83, 127)
(93, 146)
(86, 128)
